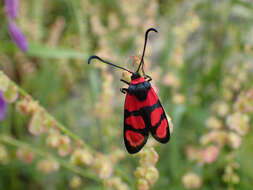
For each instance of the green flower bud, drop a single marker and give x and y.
(25, 155)
(152, 175)
(53, 139)
(149, 157)
(140, 172)
(36, 126)
(142, 184)
(81, 157)
(27, 105)
(192, 181)
(11, 93)
(4, 157)
(103, 166)
(4, 82)
(64, 147)
(47, 166)
(75, 182)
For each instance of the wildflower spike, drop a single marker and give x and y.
(96, 57)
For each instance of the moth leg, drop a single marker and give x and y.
(125, 81)
(148, 77)
(124, 90)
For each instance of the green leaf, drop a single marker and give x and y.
(54, 52)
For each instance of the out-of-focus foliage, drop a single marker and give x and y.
(200, 62)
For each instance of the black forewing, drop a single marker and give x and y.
(143, 132)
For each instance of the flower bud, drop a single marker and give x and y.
(191, 181)
(230, 176)
(142, 184)
(12, 8)
(4, 157)
(25, 155)
(47, 166)
(81, 157)
(11, 93)
(192, 153)
(213, 123)
(217, 136)
(4, 82)
(75, 182)
(140, 172)
(149, 157)
(36, 126)
(235, 179)
(27, 105)
(53, 139)
(221, 108)
(3, 107)
(17, 36)
(210, 154)
(152, 175)
(244, 102)
(116, 183)
(239, 122)
(234, 140)
(64, 147)
(103, 166)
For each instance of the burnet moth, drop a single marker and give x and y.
(143, 112)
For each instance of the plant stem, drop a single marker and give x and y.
(11, 141)
(59, 125)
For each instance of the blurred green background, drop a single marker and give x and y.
(200, 62)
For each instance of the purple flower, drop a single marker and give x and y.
(17, 36)
(12, 8)
(3, 107)
(15, 33)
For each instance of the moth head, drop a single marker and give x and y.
(135, 75)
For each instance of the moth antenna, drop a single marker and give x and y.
(96, 57)
(144, 49)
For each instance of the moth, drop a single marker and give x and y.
(143, 112)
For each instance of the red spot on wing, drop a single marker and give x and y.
(161, 131)
(136, 122)
(156, 116)
(133, 104)
(135, 139)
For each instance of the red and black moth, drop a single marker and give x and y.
(143, 112)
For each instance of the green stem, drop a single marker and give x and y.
(59, 125)
(39, 152)
(124, 176)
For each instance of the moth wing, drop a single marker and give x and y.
(135, 126)
(158, 124)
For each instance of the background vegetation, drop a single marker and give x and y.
(64, 121)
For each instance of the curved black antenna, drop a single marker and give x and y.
(145, 43)
(96, 57)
